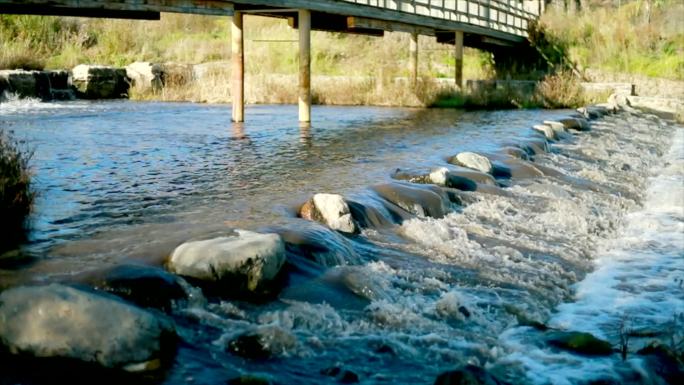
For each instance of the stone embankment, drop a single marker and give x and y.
(94, 81)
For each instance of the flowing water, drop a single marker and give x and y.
(594, 244)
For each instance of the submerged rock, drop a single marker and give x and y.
(145, 286)
(664, 362)
(578, 124)
(263, 343)
(235, 265)
(468, 375)
(330, 209)
(421, 200)
(443, 177)
(473, 161)
(516, 152)
(367, 216)
(317, 243)
(545, 129)
(343, 376)
(58, 321)
(100, 82)
(593, 112)
(578, 342)
(249, 380)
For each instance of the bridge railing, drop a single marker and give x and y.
(510, 16)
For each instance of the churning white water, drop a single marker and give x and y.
(634, 296)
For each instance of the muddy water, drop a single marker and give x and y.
(399, 303)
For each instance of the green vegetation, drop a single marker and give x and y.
(640, 37)
(560, 90)
(16, 196)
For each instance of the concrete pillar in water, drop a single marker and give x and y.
(304, 65)
(237, 68)
(413, 60)
(458, 54)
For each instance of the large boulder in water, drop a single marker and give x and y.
(421, 200)
(473, 161)
(58, 321)
(146, 286)
(246, 263)
(330, 209)
(100, 82)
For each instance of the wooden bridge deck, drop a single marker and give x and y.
(506, 20)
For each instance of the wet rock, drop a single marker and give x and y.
(581, 343)
(249, 380)
(367, 216)
(535, 146)
(478, 177)
(501, 171)
(473, 161)
(468, 375)
(664, 362)
(330, 209)
(443, 177)
(20, 82)
(100, 82)
(421, 200)
(510, 167)
(263, 343)
(559, 129)
(516, 152)
(317, 243)
(593, 112)
(246, 263)
(145, 286)
(27, 84)
(58, 321)
(343, 376)
(577, 124)
(145, 75)
(548, 132)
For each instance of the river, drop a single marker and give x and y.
(594, 243)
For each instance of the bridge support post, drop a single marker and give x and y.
(413, 60)
(237, 68)
(458, 54)
(304, 66)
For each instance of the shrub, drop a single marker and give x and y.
(561, 90)
(16, 195)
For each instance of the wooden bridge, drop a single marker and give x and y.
(484, 24)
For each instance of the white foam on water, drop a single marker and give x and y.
(636, 286)
(12, 104)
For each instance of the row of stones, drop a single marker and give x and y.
(81, 324)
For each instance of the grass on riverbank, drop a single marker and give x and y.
(16, 195)
(638, 37)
